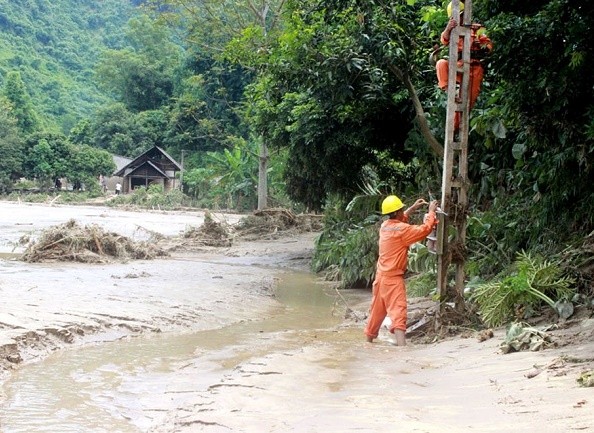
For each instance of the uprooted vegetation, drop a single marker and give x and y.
(87, 244)
(268, 223)
(91, 244)
(211, 233)
(261, 225)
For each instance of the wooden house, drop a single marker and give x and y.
(155, 166)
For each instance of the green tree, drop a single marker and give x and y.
(47, 157)
(238, 33)
(87, 163)
(22, 107)
(204, 115)
(141, 75)
(342, 80)
(150, 128)
(11, 147)
(112, 128)
(539, 122)
(234, 174)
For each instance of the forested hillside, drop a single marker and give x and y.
(55, 46)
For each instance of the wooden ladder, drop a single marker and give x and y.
(450, 246)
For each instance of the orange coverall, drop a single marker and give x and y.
(388, 290)
(480, 44)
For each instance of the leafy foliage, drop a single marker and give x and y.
(20, 101)
(339, 94)
(237, 175)
(348, 256)
(141, 75)
(534, 281)
(87, 163)
(152, 197)
(10, 147)
(54, 46)
(48, 156)
(545, 104)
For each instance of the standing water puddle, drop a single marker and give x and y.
(128, 386)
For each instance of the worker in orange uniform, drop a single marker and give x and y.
(480, 47)
(388, 290)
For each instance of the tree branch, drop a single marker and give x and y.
(421, 119)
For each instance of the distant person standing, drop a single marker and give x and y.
(118, 188)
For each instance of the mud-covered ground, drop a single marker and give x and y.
(310, 375)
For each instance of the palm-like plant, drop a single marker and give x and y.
(534, 281)
(235, 171)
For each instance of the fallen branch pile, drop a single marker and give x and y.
(88, 244)
(211, 233)
(269, 222)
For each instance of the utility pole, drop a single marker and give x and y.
(263, 175)
(454, 198)
(181, 172)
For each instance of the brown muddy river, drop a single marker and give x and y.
(128, 385)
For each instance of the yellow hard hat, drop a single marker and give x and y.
(449, 9)
(391, 204)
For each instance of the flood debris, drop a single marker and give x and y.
(268, 223)
(211, 233)
(586, 379)
(523, 337)
(484, 335)
(72, 242)
(554, 364)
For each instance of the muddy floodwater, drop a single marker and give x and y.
(127, 385)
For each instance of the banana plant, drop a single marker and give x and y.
(235, 173)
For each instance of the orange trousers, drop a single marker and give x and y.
(388, 299)
(476, 80)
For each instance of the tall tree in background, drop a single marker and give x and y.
(203, 116)
(111, 128)
(22, 108)
(10, 147)
(48, 157)
(239, 32)
(141, 75)
(86, 164)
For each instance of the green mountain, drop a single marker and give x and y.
(55, 46)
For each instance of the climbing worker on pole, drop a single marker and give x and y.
(388, 290)
(480, 47)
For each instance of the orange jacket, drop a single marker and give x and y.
(480, 43)
(395, 239)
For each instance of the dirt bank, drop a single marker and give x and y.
(315, 380)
